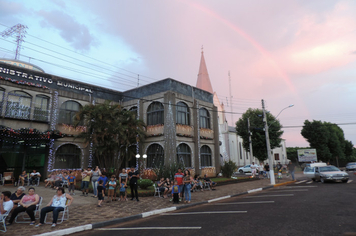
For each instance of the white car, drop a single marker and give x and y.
(244, 169)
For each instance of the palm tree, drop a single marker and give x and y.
(112, 130)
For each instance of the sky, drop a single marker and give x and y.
(297, 52)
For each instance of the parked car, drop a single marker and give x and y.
(245, 169)
(330, 173)
(309, 170)
(351, 166)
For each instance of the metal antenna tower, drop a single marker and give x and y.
(232, 114)
(19, 31)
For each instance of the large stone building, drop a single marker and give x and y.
(37, 116)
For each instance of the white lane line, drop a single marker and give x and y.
(278, 195)
(204, 212)
(349, 181)
(241, 203)
(309, 182)
(302, 187)
(145, 228)
(290, 190)
(301, 181)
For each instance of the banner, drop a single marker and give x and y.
(307, 155)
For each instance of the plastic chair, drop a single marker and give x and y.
(65, 216)
(207, 185)
(8, 176)
(25, 219)
(2, 220)
(65, 183)
(37, 181)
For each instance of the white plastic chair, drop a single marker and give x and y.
(2, 220)
(207, 185)
(65, 215)
(23, 214)
(26, 182)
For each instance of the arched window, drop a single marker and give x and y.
(205, 156)
(204, 118)
(155, 114)
(2, 94)
(68, 156)
(184, 155)
(183, 116)
(134, 110)
(155, 156)
(18, 105)
(67, 112)
(41, 108)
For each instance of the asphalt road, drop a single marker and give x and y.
(304, 208)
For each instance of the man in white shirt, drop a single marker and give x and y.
(253, 169)
(34, 177)
(5, 203)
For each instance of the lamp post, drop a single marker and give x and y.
(269, 153)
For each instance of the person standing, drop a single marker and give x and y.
(179, 177)
(71, 183)
(133, 176)
(187, 180)
(85, 181)
(94, 180)
(267, 170)
(175, 192)
(123, 176)
(261, 170)
(291, 168)
(112, 186)
(100, 192)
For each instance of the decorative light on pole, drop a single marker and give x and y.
(144, 156)
(269, 152)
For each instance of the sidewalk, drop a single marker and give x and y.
(84, 210)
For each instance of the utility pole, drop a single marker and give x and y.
(250, 138)
(269, 154)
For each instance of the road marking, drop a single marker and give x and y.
(302, 187)
(145, 228)
(301, 181)
(279, 195)
(255, 190)
(237, 203)
(310, 182)
(218, 199)
(349, 181)
(204, 212)
(290, 190)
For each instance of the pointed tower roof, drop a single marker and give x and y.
(203, 81)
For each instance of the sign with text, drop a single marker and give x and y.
(307, 155)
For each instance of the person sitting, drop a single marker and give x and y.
(35, 177)
(5, 203)
(50, 179)
(211, 183)
(57, 204)
(17, 196)
(162, 187)
(28, 204)
(23, 178)
(197, 184)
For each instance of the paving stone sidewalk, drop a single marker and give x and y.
(84, 210)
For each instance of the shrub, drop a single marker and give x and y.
(144, 183)
(228, 168)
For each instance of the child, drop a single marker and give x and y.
(71, 183)
(123, 191)
(175, 192)
(101, 193)
(112, 186)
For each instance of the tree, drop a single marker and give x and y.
(112, 130)
(328, 139)
(258, 134)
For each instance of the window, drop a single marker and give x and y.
(134, 110)
(68, 156)
(155, 156)
(183, 116)
(41, 108)
(184, 155)
(2, 94)
(67, 112)
(155, 114)
(18, 105)
(204, 118)
(276, 156)
(205, 156)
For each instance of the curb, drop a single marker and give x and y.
(149, 213)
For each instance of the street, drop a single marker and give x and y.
(303, 208)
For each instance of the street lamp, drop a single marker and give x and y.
(269, 153)
(144, 156)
